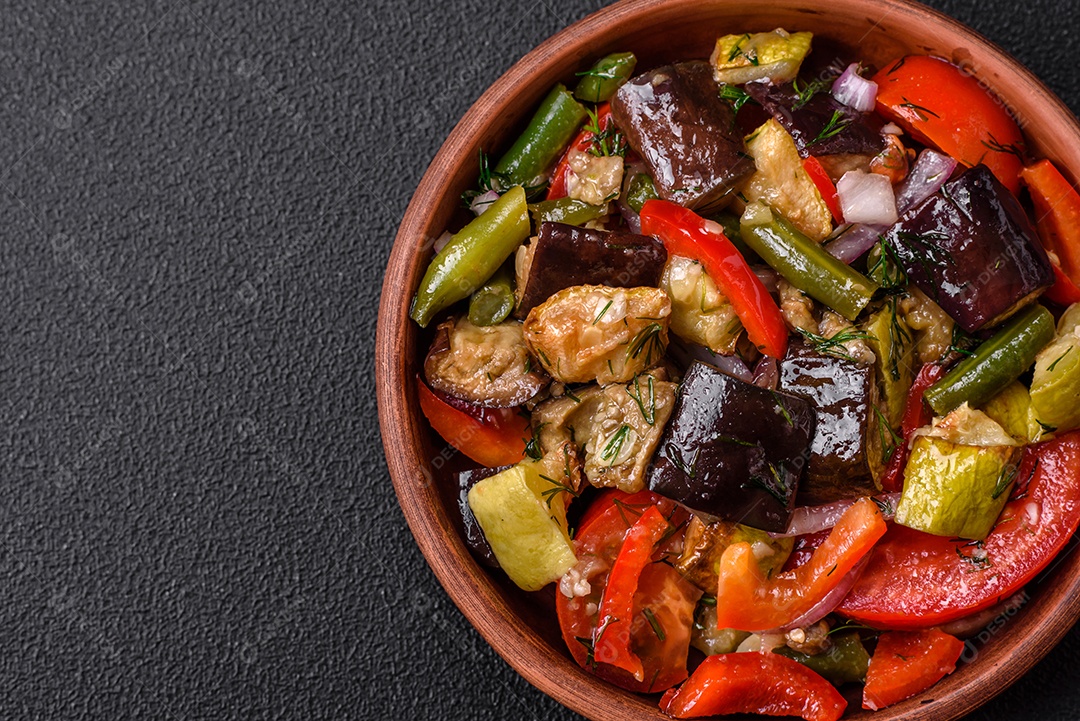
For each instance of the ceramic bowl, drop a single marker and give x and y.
(522, 627)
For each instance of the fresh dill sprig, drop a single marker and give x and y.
(649, 341)
(763, 483)
(1009, 149)
(614, 445)
(921, 113)
(602, 313)
(735, 96)
(647, 612)
(807, 92)
(836, 125)
(1004, 480)
(1059, 359)
(834, 345)
(887, 445)
(556, 488)
(647, 412)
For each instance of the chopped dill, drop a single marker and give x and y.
(834, 345)
(1004, 480)
(1059, 359)
(647, 412)
(603, 312)
(836, 125)
(807, 92)
(648, 340)
(614, 445)
(647, 612)
(921, 113)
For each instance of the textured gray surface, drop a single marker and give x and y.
(198, 201)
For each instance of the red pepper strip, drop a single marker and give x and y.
(611, 642)
(747, 601)
(754, 683)
(490, 436)
(1064, 291)
(581, 143)
(1057, 214)
(817, 173)
(908, 662)
(687, 234)
(916, 415)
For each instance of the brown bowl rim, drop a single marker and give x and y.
(471, 589)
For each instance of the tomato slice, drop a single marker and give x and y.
(662, 611)
(1057, 214)
(916, 580)
(944, 106)
(761, 683)
(908, 662)
(492, 437)
(747, 601)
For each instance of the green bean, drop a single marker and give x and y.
(566, 210)
(600, 82)
(640, 190)
(805, 264)
(493, 301)
(472, 256)
(994, 364)
(528, 160)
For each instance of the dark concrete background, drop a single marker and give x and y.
(197, 203)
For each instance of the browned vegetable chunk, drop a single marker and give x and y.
(596, 333)
(617, 426)
(674, 118)
(485, 365)
(562, 256)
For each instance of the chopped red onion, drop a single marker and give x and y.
(483, 201)
(684, 353)
(813, 519)
(633, 220)
(832, 599)
(768, 277)
(853, 242)
(855, 91)
(867, 198)
(929, 173)
(766, 373)
(441, 241)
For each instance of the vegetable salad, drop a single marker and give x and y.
(770, 365)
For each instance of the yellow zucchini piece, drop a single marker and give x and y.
(777, 56)
(523, 517)
(1055, 387)
(1012, 409)
(700, 313)
(781, 182)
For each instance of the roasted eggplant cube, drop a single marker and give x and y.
(733, 450)
(562, 256)
(474, 536)
(674, 118)
(842, 394)
(972, 249)
(819, 125)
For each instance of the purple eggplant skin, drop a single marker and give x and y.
(674, 118)
(562, 256)
(471, 531)
(842, 393)
(821, 125)
(972, 248)
(733, 450)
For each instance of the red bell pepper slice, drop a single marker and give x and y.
(1064, 291)
(946, 107)
(611, 641)
(825, 186)
(908, 662)
(916, 415)
(758, 683)
(1057, 214)
(581, 142)
(687, 234)
(747, 601)
(490, 436)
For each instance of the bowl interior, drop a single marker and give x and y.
(522, 627)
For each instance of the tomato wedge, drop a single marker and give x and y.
(492, 437)
(687, 234)
(942, 105)
(916, 580)
(908, 662)
(747, 601)
(760, 683)
(663, 602)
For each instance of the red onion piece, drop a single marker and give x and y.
(853, 243)
(929, 173)
(685, 353)
(832, 599)
(812, 519)
(867, 198)
(768, 277)
(633, 220)
(483, 201)
(767, 373)
(855, 91)
(441, 241)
